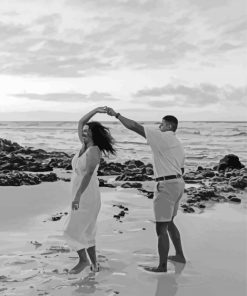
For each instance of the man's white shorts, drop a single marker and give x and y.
(166, 199)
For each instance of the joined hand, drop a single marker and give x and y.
(110, 111)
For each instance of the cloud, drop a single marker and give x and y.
(49, 23)
(68, 97)
(53, 66)
(10, 31)
(93, 37)
(209, 4)
(187, 96)
(132, 6)
(231, 36)
(34, 50)
(110, 41)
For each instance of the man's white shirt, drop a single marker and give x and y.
(167, 150)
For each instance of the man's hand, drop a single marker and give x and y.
(110, 111)
(75, 205)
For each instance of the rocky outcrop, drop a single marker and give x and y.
(230, 161)
(16, 178)
(15, 157)
(27, 166)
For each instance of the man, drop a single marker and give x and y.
(168, 157)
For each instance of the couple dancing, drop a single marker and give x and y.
(168, 156)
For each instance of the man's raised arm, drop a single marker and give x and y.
(128, 123)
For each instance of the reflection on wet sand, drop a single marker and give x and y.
(167, 283)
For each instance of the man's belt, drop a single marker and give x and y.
(170, 177)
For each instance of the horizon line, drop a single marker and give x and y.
(120, 122)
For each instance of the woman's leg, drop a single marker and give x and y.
(92, 255)
(83, 262)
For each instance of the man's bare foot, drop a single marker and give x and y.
(155, 269)
(79, 267)
(177, 258)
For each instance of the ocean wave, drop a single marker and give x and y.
(65, 123)
(189, 131)
(234, 135)
(131, 142)
(38, 128)
(196, 156)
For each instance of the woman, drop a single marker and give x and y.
(80, 230)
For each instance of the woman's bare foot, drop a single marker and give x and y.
(177, 258)
(95, 268)
(79, 267)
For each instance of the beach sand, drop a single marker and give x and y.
(215, 244)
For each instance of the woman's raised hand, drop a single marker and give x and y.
(101, 109)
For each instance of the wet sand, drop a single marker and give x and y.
(215, 244)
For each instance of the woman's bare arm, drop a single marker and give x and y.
(86, 118)
(92, 160)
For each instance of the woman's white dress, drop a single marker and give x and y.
(80, 227)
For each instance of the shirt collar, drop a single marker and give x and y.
(170, 132)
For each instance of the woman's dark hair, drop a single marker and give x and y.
(102, 137)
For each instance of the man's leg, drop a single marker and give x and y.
(163, 244)
(163, 247)
(83, 262)
(176, 240)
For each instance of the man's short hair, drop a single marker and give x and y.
(172, 120)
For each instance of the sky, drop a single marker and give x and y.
(59, 59)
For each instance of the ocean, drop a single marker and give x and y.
(205, 142)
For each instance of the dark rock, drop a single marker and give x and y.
(208, 173)
(15, 178)
(65, 179)
(200, 168)
(149, 171)
(192, 176)
(131, 185)
(190, 200)
(226, 188)
(122, 214)
(133, 177)
(51, 177)
(238, 182)
(136, 163)
(229, 161)
(218, 179)
(148, 194)
(235, 199)
(206, 192)
(189, 210)
(103, 183)
(56, 218)
(231, 196)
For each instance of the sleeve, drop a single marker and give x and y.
(152, 135)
